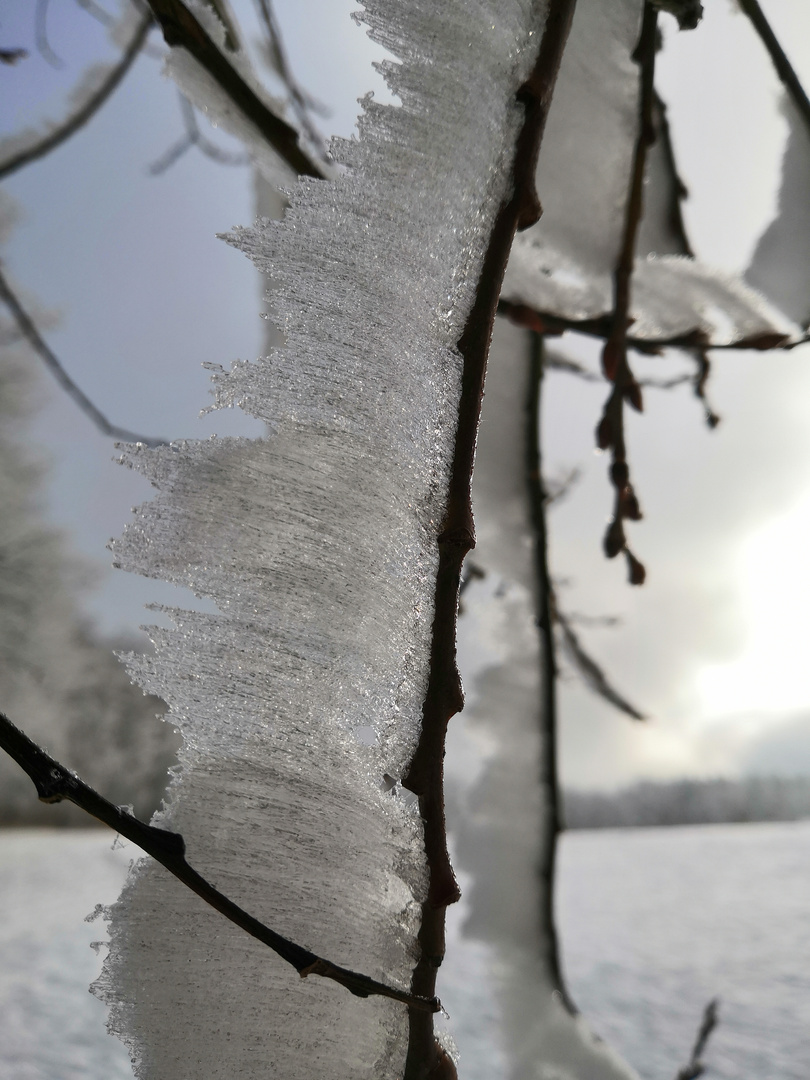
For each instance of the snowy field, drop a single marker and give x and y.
(654, 923)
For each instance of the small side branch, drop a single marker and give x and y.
(194, 137)
(87, 111)
(54, 783)
(592, 674)
(610, 433)
(181, 29)
(695, 1067)
(41, 33)
(784, 68)
(30, 332)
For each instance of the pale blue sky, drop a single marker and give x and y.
(147, 294)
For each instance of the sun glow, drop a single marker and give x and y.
(773, 670)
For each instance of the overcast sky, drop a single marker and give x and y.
(713, 647)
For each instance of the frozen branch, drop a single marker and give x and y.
(55, 783)
(86, 112)
(35, 339)
(695, 1067)
(181, 29)
(444, 697)
(784, 68)
(99, 13)
(554, 362)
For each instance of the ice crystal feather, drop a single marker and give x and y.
(318, 546)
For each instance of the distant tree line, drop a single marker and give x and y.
(690, 802)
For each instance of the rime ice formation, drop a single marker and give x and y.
(501, 824)
(318, 546)
(564, 265)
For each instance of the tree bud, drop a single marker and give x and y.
(612, 354)
(630, 507)
(636, 574)
(632, 393)
(620, 474)
(614, 539)
(604, 434)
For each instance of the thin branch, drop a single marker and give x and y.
(703, 367)
(557, 490)
(592, 674)
(470, 573)
(444, 698)
(555, 362)
(181, 29)
(544, 617)
(82, 115)
(298, 99)
(784, 68)
(99, 13)
(549, 323)
(695, 1067)
(610, 433)
(54, 783)
(30, 332)
(41, 36)
(194, 137)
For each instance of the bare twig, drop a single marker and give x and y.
(54, 783)
(41, 36)
(610, 433)
(298, 98)
(444, 698)
(194, 137)
(544, 617)
(784, 68)
(695, 1067)
(79, 118)
(557, 490)
(592, 674)
(30, 332)
(703, 367)
(99, 13)
(181, 29)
